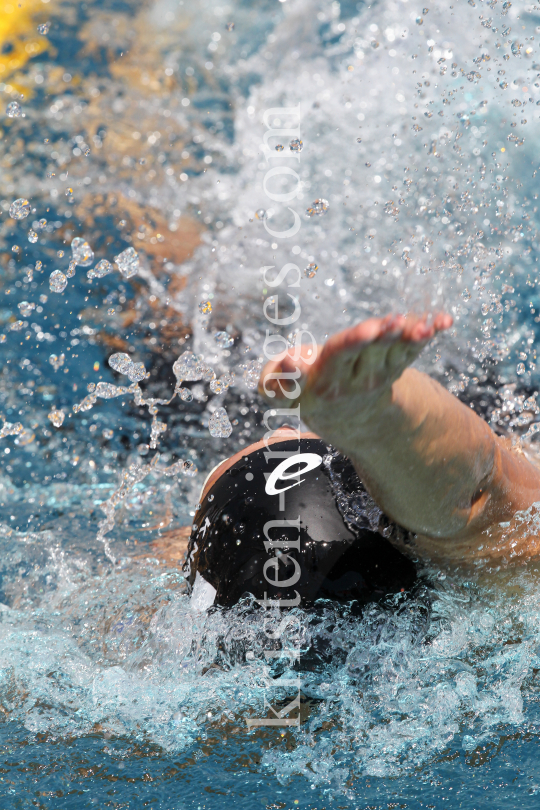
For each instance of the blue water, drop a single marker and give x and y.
(113, 691)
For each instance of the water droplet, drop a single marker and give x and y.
(56, 417)
(425, 10)
(185, 394)
(210, 498)
(86, 151)
(39, 267)
(26, 308)
(520, 368)
(111, 311)
(26, 437)
(42, 223)
(56, 362)
(279, 147)
(3, 338)
(311, 270)
(57, 281)
(13, 109)
(16, 326)
(359, 140)
(128, 262)
(50, 175)
(124, 365)
(223, 340)
(252, 372)
(44, 28)
(107, 433)
(227, 379)
(296, 145)
(229, 26)
(375, 44)
(205, 307)
(86, 405)
(419, 20)
(185, 367)
(11, 429)
(466, 294)
(190, 469)
(120, 362)
(219, 424)
(109, 391)
(32, 236)
(318, 208)
(19, 209)
(217, 387)
(143, 449)
(101, 269)
(82, 252)
(137, 373)
(261, 214)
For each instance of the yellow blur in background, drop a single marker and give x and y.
(20, 39)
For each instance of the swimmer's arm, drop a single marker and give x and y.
(433, 465)
(429, 461)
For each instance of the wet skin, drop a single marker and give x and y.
(429, 461)
(432, 464)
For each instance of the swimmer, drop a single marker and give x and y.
(296, 517)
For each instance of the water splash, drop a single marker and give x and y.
(428, 205)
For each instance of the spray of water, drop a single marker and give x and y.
(418, 191)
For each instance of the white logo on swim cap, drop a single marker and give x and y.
(310, 462)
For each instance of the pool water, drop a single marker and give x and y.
(140, 126)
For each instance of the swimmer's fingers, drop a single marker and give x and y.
(367, 356)
(415, 328)
(414, 336)
(372, 354)
(442, 321)
(392, 328)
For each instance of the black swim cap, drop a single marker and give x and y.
(292, 523)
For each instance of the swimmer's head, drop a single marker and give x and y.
(269, 524)
(283, 433)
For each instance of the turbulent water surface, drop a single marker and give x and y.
(138, 126)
